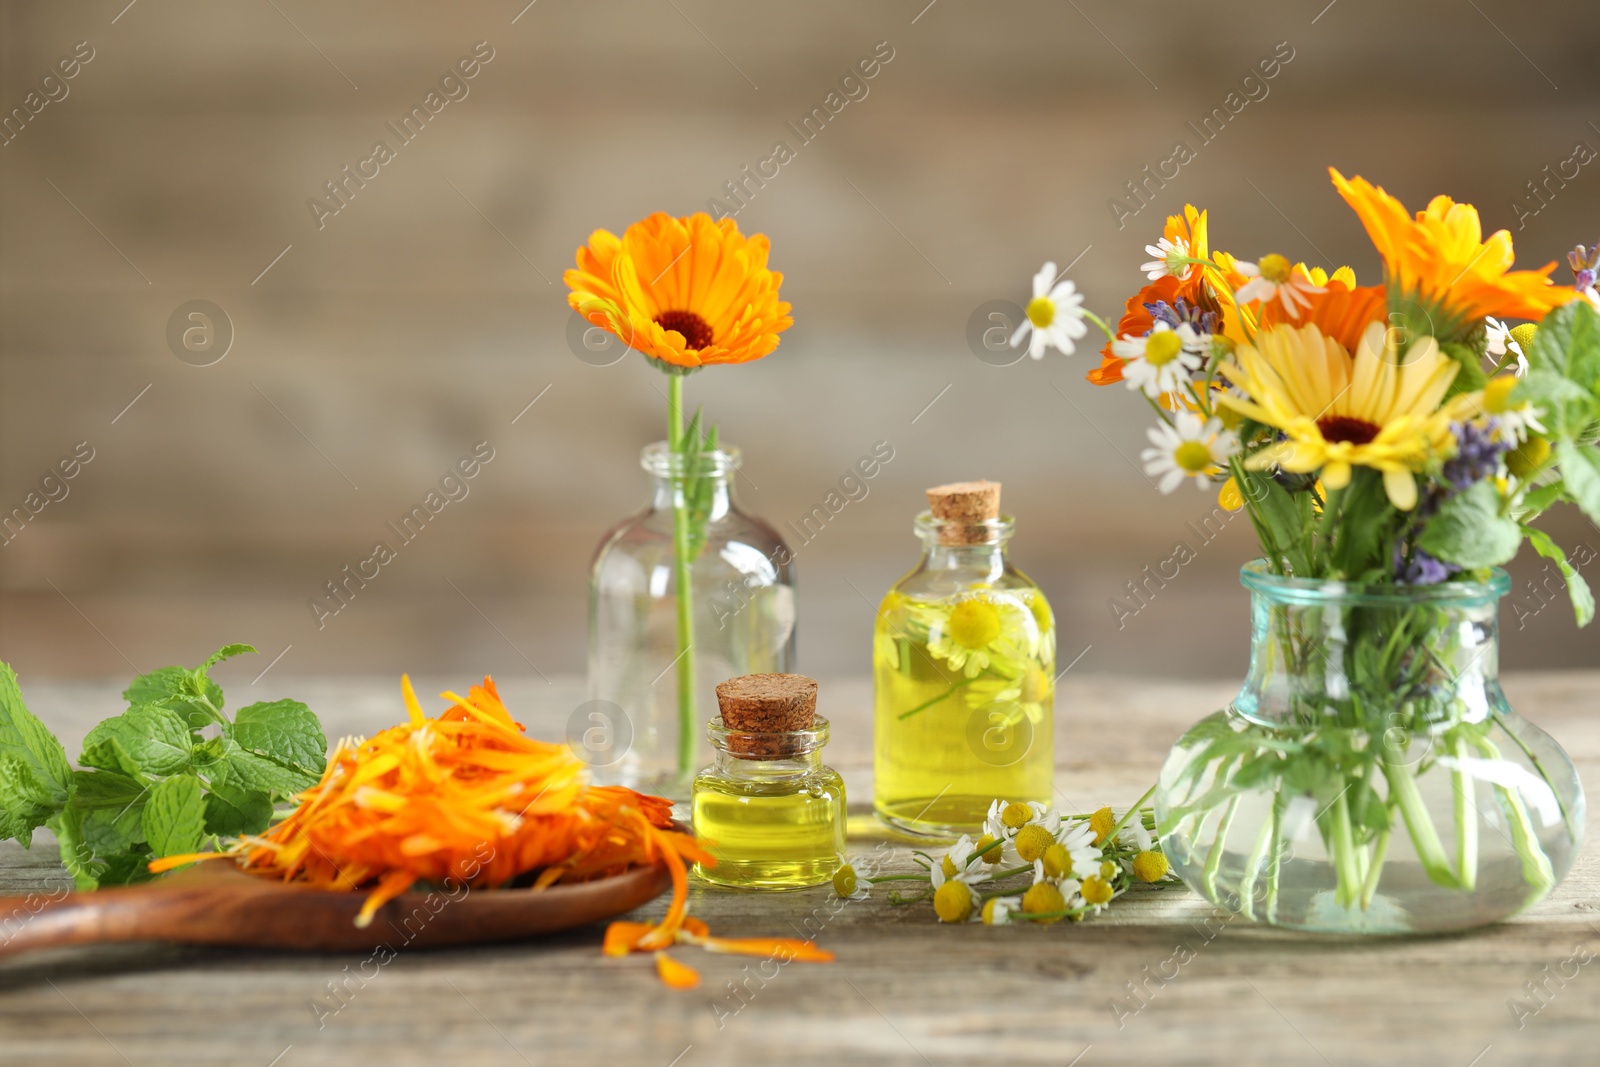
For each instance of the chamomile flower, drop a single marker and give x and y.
(847, 884)
(1008, 819)
(1273, 277)
(1019, 697)
(1085, 857)
(957, 865)
(1171, 256)
(1189, 448)
(1053, 318)
(981, 630)
(1512, 423)
(997, 911)
(1162, 360)
(1501, 342)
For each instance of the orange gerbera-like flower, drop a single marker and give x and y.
(1341, 312)
(1440, 260)
(1136, 321)
(687, 291)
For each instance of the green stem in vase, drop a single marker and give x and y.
(1218, 847)
(1275, 858)
(1536, 868)
(1466, 822)
(1346, 864)
(1252, 865)
(681, 575)
(1424, 837)
(1380, 850)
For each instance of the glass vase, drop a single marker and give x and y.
(1370, 777)
(964, 686)
(655, 661)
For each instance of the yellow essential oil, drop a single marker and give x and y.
(964, 683)
(767, 809)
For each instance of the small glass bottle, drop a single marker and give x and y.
(767, 809)
(963, 674)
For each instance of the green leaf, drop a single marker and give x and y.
(1469, 530)
(286, 732)
(256, 772)
(1580, 470)
(233, 808)
(1565, 406)
(174, 687)
(76, 855)
(1577, 587)
(149, 739)
(225, 652)
(1471, 376)
(24, 737)
(110, 808)
(1568, 342)
(1540, 499)
(174, 819)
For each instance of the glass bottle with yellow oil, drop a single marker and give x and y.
(963, 674)
(770, 813)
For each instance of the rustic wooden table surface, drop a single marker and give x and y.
(905, 990)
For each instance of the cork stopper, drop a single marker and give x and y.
(963, 509)
(773, 704)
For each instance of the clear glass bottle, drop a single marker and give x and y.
(770, 812)
(1370, 776)
(963, 661)
(638, 729)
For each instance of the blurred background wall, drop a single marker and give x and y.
(371, 348)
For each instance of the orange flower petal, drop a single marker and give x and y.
(623, 937)
(676, 975)
(784, 948)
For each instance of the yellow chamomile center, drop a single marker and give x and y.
(1192, 456)
(1528, 457)
(844, 880)
(989, 907)
(948, 866)
(1162, 348)
(1041, 610)
(974, 623)
(1274, 268)
(1096, 890)
(1032, 841)
(988, 855)
(1041, 312)
(952, 902)
(1150, 866)
(1044, 898)
(1057, 861)
(1016, 815)
(1496, 394)
(1101, 823)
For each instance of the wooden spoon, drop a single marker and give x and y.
(215, 903)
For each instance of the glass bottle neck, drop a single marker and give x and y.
(718, 494)
(729, 765)
(695, 479)
(977, 550)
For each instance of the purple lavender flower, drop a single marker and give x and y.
(1477, 454)
(1585, 263)
(1420, 568)
(1180, 312)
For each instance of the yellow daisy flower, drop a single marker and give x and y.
(1377, 409)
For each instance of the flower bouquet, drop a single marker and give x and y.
(1392, 445)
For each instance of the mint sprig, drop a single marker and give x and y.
(170, 775)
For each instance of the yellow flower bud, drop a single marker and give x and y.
(1101, 823)
(1057, 861)
(1150, 866)
(844, 880)
(1526, 459)
(952, 902)
(1032, 841)
(1041, 898)
(1096, 891)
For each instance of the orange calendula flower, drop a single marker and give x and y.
(1342, 311)
(1136, 321)
(1440, 260)
(689, 292)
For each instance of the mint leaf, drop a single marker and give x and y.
(175, 816)
(24, 737)
(1565, 407)
(263, 773)
(176, 688)
(225, 652)
(110, 807)
(234, 808)
(286, 732)
(1469, 530)
(76, 856)
(1580, 470)
(1577, 587)
(27, 802)
(148, 739)
(1471, 376)
(1568, 342)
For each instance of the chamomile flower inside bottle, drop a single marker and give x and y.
(963, 674)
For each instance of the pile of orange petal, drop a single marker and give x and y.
(469, 796)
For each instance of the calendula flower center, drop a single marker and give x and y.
(1162, 348)
(1041, 312)
(1274, 268)
(1192, 456)
(696, 331)
(974, 623)
(1345, 430)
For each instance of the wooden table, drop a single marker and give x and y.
(905, 990)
